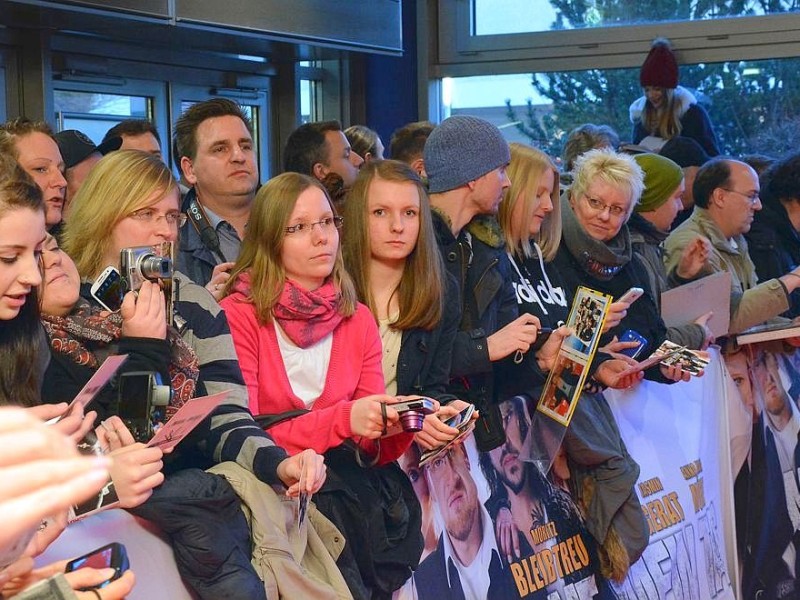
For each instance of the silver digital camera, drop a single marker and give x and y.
(141, 263)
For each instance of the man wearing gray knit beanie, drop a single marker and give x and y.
(466, 159)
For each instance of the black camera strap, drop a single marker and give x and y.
(208, 235)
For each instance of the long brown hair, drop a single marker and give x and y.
(260, 255)
(420, 293)
(664, 122)
(20, 337)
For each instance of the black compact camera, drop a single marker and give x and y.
(412, 412)
(142, 263)
(143, 401)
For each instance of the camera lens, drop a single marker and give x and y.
(156, 267)
(412, 420)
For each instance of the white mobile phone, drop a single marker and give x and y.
(107, 290)
(632, 295)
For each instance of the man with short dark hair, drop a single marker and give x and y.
(321, 150)
(408, 144)
(136, 134)
(726, 196)
(215, 151)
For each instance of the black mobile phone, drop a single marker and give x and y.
(541, 338)
(107, 289)
(111, 556)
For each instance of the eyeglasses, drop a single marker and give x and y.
(325, 224)
(149, 215)
(599, 206)
(753, 197)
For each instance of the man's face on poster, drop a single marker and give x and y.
(454, 491)
(505, 459)
(776, 400)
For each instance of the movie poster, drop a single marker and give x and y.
(767, 489)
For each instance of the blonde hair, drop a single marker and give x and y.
(613, 168)
(525, 171)
(120, 183)
(260, 255)
(420, 292)
(663, 122)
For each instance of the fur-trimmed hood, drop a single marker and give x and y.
(683, 100)
(486, 229)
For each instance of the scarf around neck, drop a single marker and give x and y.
(307, 316)
(599, 259)
(85, 336)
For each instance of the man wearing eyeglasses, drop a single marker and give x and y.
(726, 194)
(466, 563)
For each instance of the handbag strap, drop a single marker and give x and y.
(267, 421)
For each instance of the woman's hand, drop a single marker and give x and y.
(113, 434)
(21, 575)
(517, 335)
(219, 277)
(41, 472)
(616, 312)
(608, 373)
(308, 462)
(703, 320)
(75, 426)
(91, 578)
(548, 353)
(144, 312)
(136, 471)
(675, 373)
(615, 347)
(366, 418)
(434, 431)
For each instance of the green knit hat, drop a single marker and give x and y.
(661, 178)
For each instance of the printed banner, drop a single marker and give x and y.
(767, 457)
(496, 529)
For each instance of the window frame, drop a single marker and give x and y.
(712, 40)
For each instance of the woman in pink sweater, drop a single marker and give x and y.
(303, 340)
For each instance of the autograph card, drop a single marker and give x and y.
(185, 420)
(98, 381)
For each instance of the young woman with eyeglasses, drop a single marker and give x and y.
(308, 350)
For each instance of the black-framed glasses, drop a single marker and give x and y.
(599, 206)
(753, 197)
(326, 224)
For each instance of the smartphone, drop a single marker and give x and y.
(541, 338)
(633, 336)
(110, 556)
(632, 295)
(107, 289)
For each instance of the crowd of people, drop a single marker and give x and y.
(339, 288)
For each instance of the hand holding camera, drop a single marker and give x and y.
(144, 312)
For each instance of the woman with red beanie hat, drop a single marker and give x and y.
(667, 110)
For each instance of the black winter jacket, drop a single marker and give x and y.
(774, 247)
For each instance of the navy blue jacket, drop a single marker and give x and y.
(423, 366)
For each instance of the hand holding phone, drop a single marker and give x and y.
(111, 556)
(107, 289)
(632, 295)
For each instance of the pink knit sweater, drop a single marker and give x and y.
(354, 372)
